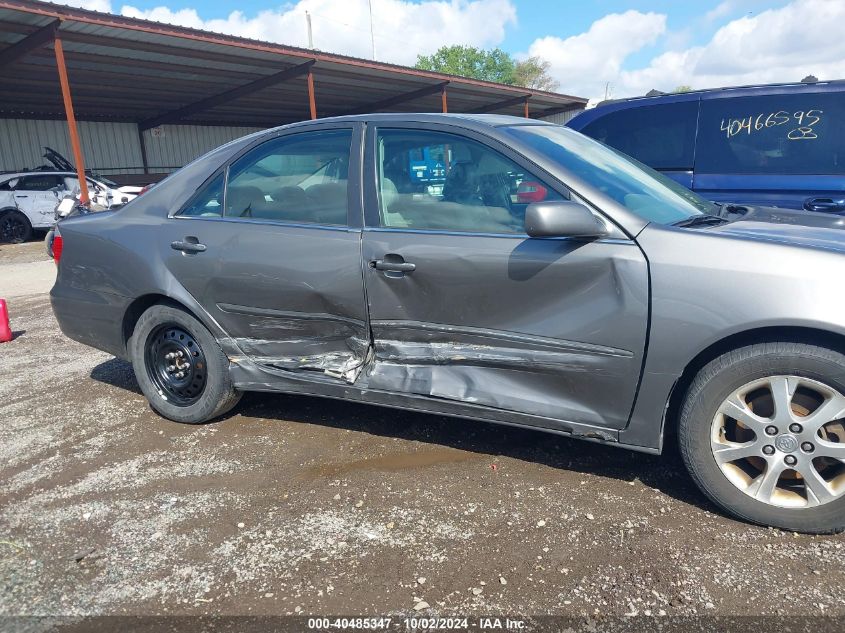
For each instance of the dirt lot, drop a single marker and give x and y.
(300, 505)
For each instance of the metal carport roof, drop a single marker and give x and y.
(126, 69)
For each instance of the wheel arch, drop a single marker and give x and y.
(767, 334)
(141, 304)
(7, 210)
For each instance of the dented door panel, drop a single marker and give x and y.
(289, 297)
(547, 327)
(282, 277)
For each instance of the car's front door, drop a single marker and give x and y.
(270, 247)
(464, 306)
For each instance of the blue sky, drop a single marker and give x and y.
(535, 17)
(626, 47)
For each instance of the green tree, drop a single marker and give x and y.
(468, 61)
(534, 73)
(683, 88)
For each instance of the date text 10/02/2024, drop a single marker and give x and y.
(805, 121)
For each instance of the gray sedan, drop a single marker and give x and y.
(489, 268)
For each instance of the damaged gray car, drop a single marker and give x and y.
(490, 268)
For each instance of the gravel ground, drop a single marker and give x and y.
(300, 505)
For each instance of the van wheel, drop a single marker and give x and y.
(180, 367)
(15, 227)
(762, 432)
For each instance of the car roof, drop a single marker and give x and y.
(9, 175)
(729, 92)
(473, 121)
(40, 172)
(737, 91)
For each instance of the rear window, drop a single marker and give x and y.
(773, 134)
(661, 136)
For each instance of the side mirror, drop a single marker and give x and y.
(562, 218)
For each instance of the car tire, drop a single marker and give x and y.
(709, 438)
(15, 227)
(804, 369)
(168, 341)
(48, 242)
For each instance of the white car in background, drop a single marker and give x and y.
(28, 198)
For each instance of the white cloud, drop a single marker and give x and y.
(584, 63)
(402, 29)
(778, 45)
(94, 5)
(723, 9)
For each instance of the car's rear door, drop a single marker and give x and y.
(465, 307)
(779, 149)
(660, 135)
(35, 196)
(270, 247)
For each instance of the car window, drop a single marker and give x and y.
(208, 201)
(9, 185)
(430, 180)
(300, 178)
(72, 184)
(642, 190)
(661, 136)
(40, 182)
(773, 134)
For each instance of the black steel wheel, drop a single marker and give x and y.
(14, 227)
(176, 364)
(180, 366)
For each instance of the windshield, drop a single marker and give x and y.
(109, 183)
(649, 194)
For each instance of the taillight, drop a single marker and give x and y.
(530, 191)
(57, 248)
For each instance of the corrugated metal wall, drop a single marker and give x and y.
(563, 118)
(114, 148)
(110, 148)
(172, 146)
(104, 145)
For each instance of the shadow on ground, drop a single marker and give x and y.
(117, 373)
(665, 473)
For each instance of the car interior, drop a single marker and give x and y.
(461, 185)
(479, 191)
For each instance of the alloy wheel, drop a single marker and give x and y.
(781, 440)
(12, 228)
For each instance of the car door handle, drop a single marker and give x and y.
(394, 267)
(824, 204)
(18, 196)
(187, 246)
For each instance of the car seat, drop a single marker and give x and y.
(290, 204)
(461, 183)
(243, 201)
(328, 202)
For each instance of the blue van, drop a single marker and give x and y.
(777, 145)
